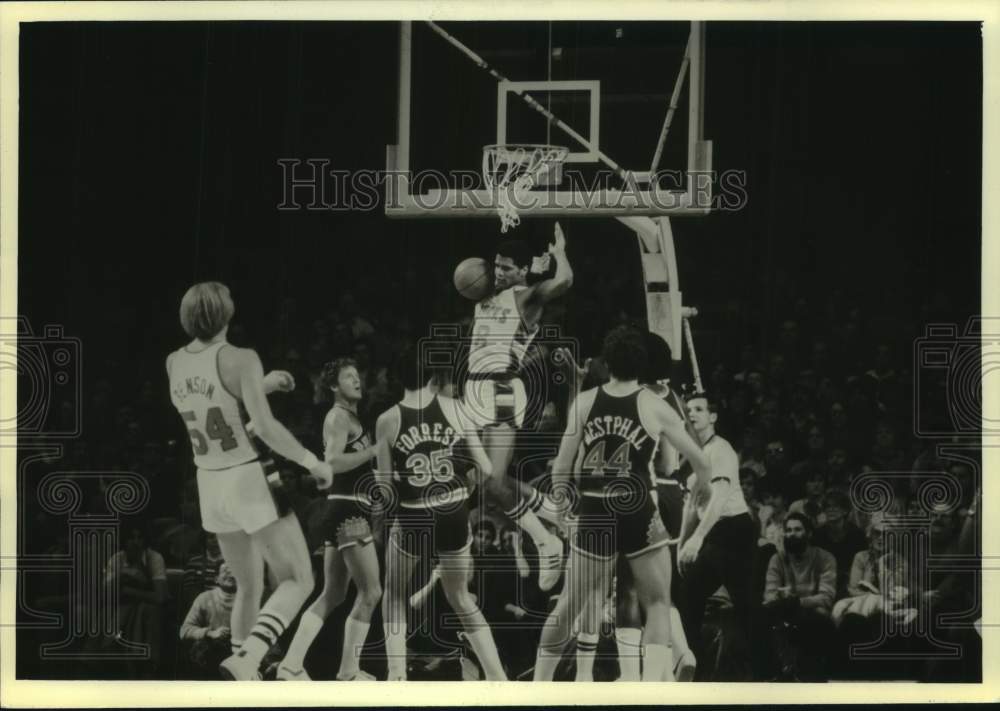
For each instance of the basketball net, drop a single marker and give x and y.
(513, 169)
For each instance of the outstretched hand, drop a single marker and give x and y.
(559, 240)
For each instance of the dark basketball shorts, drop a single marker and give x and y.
(670, 502)
(425, 532)
(346, 523)
(629, 524)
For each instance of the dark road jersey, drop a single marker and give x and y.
(429, 457)
(616, 448)
(353, 484)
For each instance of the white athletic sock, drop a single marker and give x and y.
(355, 634)
(236, 644)
(548, 510)
(546, 662)
(658, 663)
(629, 640)
(531, 525)
(586, 649)
(309, 626)
(481, 641)
(395, 649)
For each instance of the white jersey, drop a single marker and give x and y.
(500, 338)
(211, 413)
(725, 465)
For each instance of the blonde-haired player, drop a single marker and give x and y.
(211, 382)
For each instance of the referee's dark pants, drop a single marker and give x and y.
(726, 558)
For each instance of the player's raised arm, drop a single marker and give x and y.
(560, 282)
(272, 432)
(336, 429)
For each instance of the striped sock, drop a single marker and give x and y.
(526, 519)
(586, 650)
(236, 644)
(264, 635)
(532, 502)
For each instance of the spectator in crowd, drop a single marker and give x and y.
(769, 421)
(886, 454)
(776, 459)
(798, 596)
(772, 511)
(840, 434)
(483, 537)
(748, 482)
(814, 484)
(864, 586)
(201, 570)
(752, 452)
(140, 576)
(206, 626)
(815, 453)
(838, 469)
(837, 535)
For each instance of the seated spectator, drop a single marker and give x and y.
(814, 483)
(206, 626)
(864, 575)
(798, 596)
(870, 591)
(140, 576)
(483, 538)
(772, 512)
(201, 570)
(837, 535)
(748, 482)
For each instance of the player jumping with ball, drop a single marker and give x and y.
(495, 396)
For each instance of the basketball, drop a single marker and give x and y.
(473, 279)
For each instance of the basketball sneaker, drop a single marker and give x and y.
(289, 674)
(239, 667)
(685, 667)
(357, 676)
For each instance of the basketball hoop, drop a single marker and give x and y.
(512, 169)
